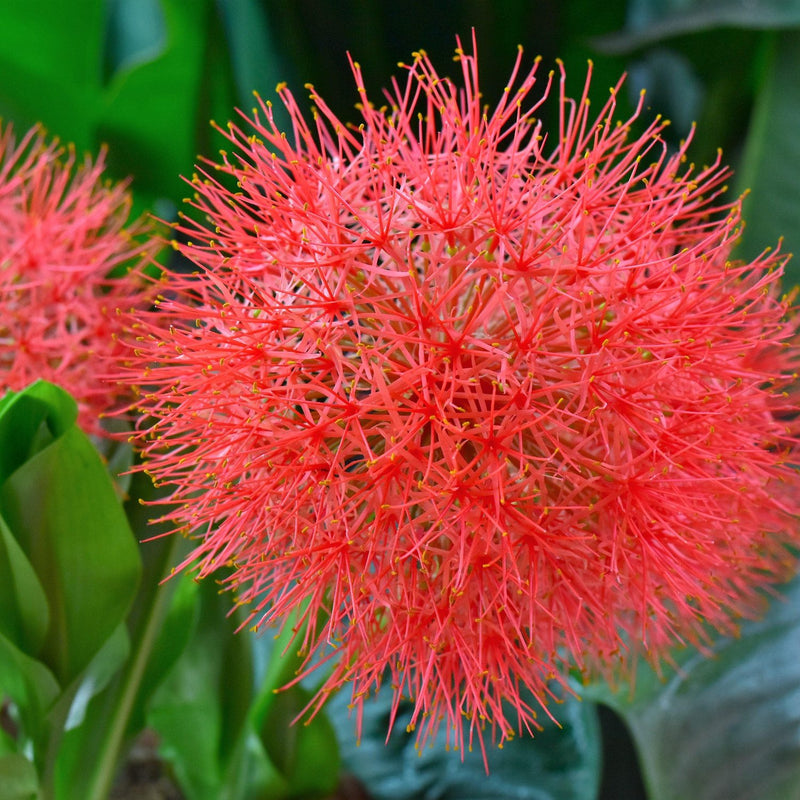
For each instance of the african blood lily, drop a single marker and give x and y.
(62, 231)
(480, 405)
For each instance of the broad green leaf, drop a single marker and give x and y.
(24, 614)
(96, 676)
(562, 762)
(652, 21)
(726, 727)
(62, 509)
(18, 779)
(8, 745)
(771, 164)
(89, 754)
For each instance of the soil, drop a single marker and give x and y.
(145, 777)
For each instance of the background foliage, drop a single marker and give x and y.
(144, 77)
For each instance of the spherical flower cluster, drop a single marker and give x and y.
(62, 232)
(480, 405)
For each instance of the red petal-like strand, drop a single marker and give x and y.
(478, 404)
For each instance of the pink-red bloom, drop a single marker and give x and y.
(62, 232)
(498, 404)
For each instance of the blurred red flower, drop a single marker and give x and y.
(62, 232)
(498, 405)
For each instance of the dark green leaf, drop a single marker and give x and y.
(293, 742)
(173, 87)
(201, 702)
(77, 755)
(136, 33)
(30, 686)
(186, 710)
(771, 164)
(256, 66)
(559, 763)
(24, 614)
(304, 751)
(652, 21)
(727, 727)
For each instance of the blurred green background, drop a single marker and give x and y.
(146, 76)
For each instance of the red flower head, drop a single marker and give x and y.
(62, 231)
(497, 404)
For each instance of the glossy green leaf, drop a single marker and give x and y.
(652, 21)
(256, 66)
(61, 507)
(99, 672)
(726, 727)
(164, 614)
(18, 779)
(562, 762)
(771, 164)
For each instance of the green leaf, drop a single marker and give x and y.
(30, 686)
(24, 613)
(18, 779)
(31, 419)
(256, 66)
(292, 742)
(200, 711)
(771, 164)
(63, 511)
(205, 713)
(136, 33)
(562, 762)
(80, 732)
(185, 710)
(96, 676)
(652, 21)
(174, 88)
(727, 727)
